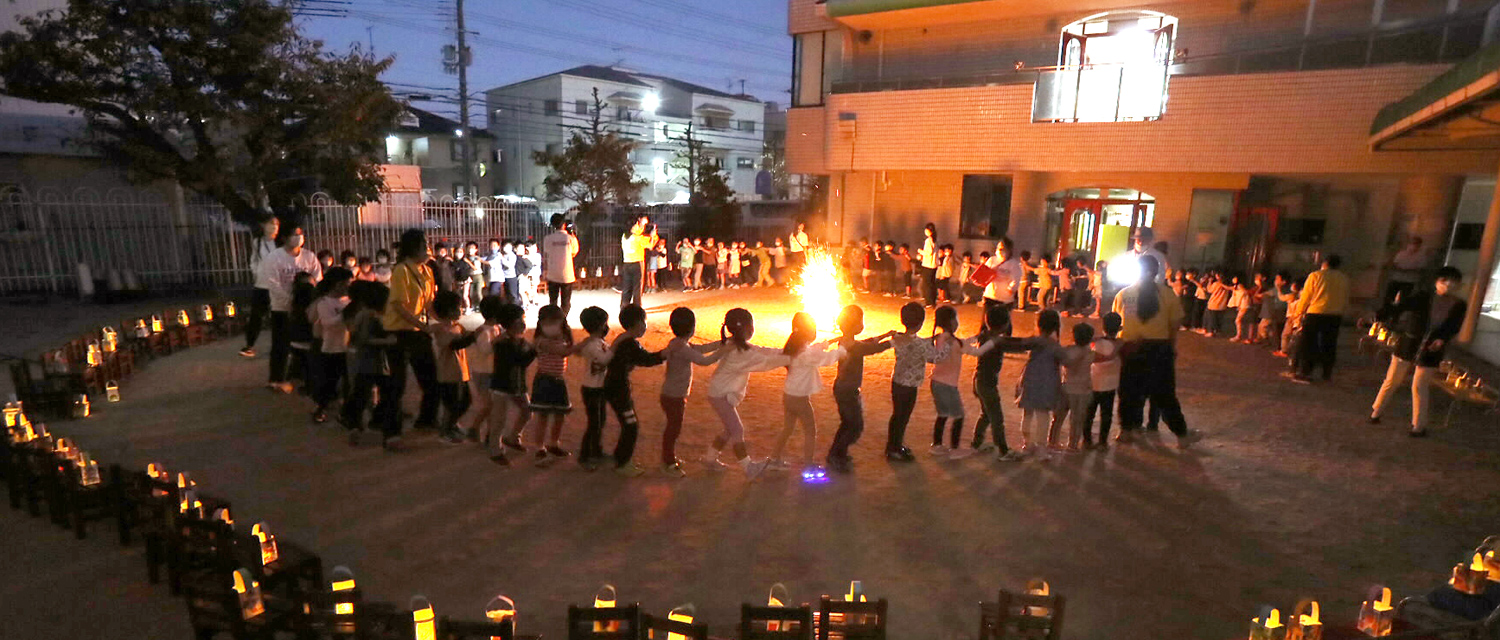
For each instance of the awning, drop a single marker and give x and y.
(1457, 110)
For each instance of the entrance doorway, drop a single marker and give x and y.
(1096, 223)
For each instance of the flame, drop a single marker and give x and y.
(821, 289)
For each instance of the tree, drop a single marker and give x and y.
(224, 97)
(593, 167)
(707, 184)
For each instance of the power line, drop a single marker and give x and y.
(742, 46)
(719, 18)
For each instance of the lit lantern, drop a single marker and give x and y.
(1267, 625)
(189, 504)
(606, 598)
(683, 613)
(617, 271)
(248, 591)
(424, 621)
(343, 590)
(1305, 623)
(206, 313)
(80, 406)
(184, 481)
(88, 470)
(583, 273)
(157, 472)
(59, 363)
(93, 354)
(141, 330)
(111, 340)
(1374, 329)
(63, 447)
(501, 610)
(1491, 563)
(156, 325)
(229, 309)
(777, 598)
(1038, 587)
(12, 412)
(1470, 577)
(38, 430)
(856, 591)
(222, 514)
(182, 318)
(599, 272)
(112, 391)
(268, 552)
(1376, 614)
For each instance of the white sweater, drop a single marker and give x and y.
(802, 377)
(732, 376)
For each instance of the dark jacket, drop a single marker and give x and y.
(1416, 326)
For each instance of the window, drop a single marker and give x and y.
(1113, 67)
(748, 126)
(456, 150)
(581, 107)
(495, 116)
(1301, 230)
(716, 123)
(551, 107)
(744, 163)
(458, 191)
(984, 211)
(815, 60)
(622, 114)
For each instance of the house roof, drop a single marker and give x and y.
(633, 78)
(1455, 109)
(434, 124)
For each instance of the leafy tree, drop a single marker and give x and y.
(593, 167)
(224, 97)
(709, 192)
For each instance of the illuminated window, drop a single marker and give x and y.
(1112, 67)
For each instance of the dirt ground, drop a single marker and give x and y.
(1290, 495)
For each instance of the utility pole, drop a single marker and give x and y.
(463, 105)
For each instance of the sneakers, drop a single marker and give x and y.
(630, 470)
(248, 352)
(894, 456)
(961, 453)
(284, 387)
(541, 459)
(512, 442)
(1010, 456)
(753, 468)
(711, 460)
(778, 465)
(841, 465)
(1189, 438)
(938, 450)
(556, 451)
(451, 436)
(1417, 433)
(985, 448)
(673, 470)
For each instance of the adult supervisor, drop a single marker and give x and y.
(1325, 296)
(633, 245)
(558, 250)
(1148, 368)
(796, 250)
(279, 270)
(405, 318)
(1001, 290)
(1425, 321)
(260, 297)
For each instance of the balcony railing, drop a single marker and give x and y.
(1449, 39)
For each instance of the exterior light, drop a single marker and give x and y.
(1376, 614)
(479, 212)
(268, 552)
(1267, 625)
(423, 620)
(458, 132)
(1125, 269)
(650, 102)
(392, 139)
(605, 598)
(248, 590)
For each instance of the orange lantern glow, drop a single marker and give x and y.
(1305, 623)
(206, 314)
(141, 330)
(777, 598)
(229, 310)
(1376, 614)
(93, 354)
(111, 340)
(81, 407)
(501, 610)
(248, 589)
(268, 551)
(1038, 587)
(182, 318)
(606, 598)
(222, 514)
(112, 391)
(1470, 577)
(683, 613)
(12, 412)
(343, 590)
(88, 470)
(1267, 625)
(424, 621)
(156, 324)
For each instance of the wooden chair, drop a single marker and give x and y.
(657, 628)
(449, 629)
(86, 503)
(296, 574)
(792, 623)
(581, 622)
(1019, 615)
(198, 549)
(24, 470)
(851, 620)
(358, 620)
(214, 609)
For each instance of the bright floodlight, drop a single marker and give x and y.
(650, 102)
(1125, 269)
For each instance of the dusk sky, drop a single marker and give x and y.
(709, 42)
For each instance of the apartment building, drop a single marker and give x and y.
(655, 111)
(434, 143)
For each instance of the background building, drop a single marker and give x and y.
(432, 142)
(541, 113)
(1239, 131)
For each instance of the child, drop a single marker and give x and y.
(1293, 328)
(987, 385)
(1192, 310)
(681, 355)
(802, 381)
(549, 394)
(913, 354)
(1219, 292)
(596, 356)
(945, 273)
(369, 340)
(734, 265)
(327, 316)
(846, 385)
(1273, 307)
(903, 270)
(722, 264)
(1043, 273)
(1083, 290)
(1247, 318)
(1028, 280)
(450, 340)
(945, 371)
(968, 292)
(1076, 388)
(1104, 380)
(481, 367)
(726, 387)
(513, 354)
(628, 355)
(300, 329)
(746, 270)
(1040, 390)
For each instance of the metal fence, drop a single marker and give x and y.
(160, 241)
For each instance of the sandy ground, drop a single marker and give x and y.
(1291, 495)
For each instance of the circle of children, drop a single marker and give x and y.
(359, 333)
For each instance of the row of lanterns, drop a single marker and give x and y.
(19, 431)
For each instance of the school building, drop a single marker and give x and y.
(1241, 131)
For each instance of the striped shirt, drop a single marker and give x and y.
(551, 357)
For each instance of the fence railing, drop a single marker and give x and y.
(158, 241)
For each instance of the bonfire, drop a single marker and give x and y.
(821, 288)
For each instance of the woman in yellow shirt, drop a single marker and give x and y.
(1151, 316)
(405, 318)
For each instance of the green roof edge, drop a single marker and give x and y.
(841, 8)
(1463, 74)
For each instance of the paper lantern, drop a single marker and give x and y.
(599, 272)
(248, 589)
(342, 586)
(683, 613)
(222, 514)
(605, 598)
(80, 407)
(1376, 613)
(206, 314)
(1492, 564)
(423, 620)
(1470, 576)
(156, 325)
(182, 318)
(12, 412)
(268, 551)
(501, 610)
(109, 339)
(93, 354)
(1374, 329)
(141, 330)
(112, 391)
(777, 598)
(88, 471)
(1305, 623)
(1038, 587)
(59, 363)
(229, 310)
(1267, 625)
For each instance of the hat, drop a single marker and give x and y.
(1143, 233)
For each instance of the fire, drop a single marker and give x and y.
(821, 288)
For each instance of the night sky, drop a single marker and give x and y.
(709, 42)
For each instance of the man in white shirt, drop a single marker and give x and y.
(1406, 270)
(260, 299)
(1001, 291)
(1125, 267)
(558, 250)
(279, 270)
(796, 251)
